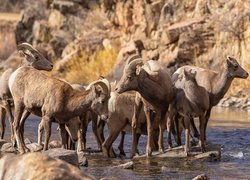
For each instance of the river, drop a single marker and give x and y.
(228, 127)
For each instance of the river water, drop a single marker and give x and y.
(228, 127)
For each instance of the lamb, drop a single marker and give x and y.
(190, 100)
(155, 86)
(215, 83)
(53, 99)
(34, 59)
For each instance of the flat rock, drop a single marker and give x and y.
(68, 156)
(2, 142)
(8, 148)
(213, 153)
(128, 165)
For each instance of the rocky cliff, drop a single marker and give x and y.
(89, 38)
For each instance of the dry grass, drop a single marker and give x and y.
(87, 68)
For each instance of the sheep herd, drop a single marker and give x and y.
(146, 100)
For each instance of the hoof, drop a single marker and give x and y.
(161, 151)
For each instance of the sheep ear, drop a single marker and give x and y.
(96, 90)
(138, 70)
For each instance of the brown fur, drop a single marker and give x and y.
(54, 99)
(155, 86)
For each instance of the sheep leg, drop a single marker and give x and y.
(2, 123)
(79, 141)
(137, 110)
(187, 132)
(150, 134)
(47, 127)
(100, 126)
(120, 147)
(40, 133)
(162, 125)
(194, 129)
(84, 126)
(63, 134)
(9, 113)
(95, 131)
(25, 115)
(19, 108)
(202, 131)
(208, 113)
(114, 130)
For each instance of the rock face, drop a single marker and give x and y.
(34, 166)
(83, 34)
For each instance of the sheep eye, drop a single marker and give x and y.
(36, 57)
(235, 67)
(130, 78)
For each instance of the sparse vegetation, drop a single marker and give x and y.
(86, 68)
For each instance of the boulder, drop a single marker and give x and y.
(38, 166)
(68, 156)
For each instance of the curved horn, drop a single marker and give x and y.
(132, 58)
(106, 88)
(134, 63)
(24, 46)
(107, 84)
(103, 86)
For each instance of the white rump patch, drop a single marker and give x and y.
(12, 78)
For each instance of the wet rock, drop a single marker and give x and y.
(8, 148)
(33, 166)
(68, 156)
(2, 142)
(201, 177)
(55, 144)
(128, 165)
(27, 141)
(83, 161)
(34, 147)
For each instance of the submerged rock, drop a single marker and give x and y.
(128, 165)
(37, 166)
(201, 177)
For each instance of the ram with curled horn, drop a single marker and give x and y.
(32, 59)
(157, 93)
(53, 100)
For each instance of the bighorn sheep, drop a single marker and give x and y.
(52, 99)
(155, 86)
(34, 59)
(190, 100)
(215, 83)
(121, 110)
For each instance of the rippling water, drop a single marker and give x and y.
(228, 127)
